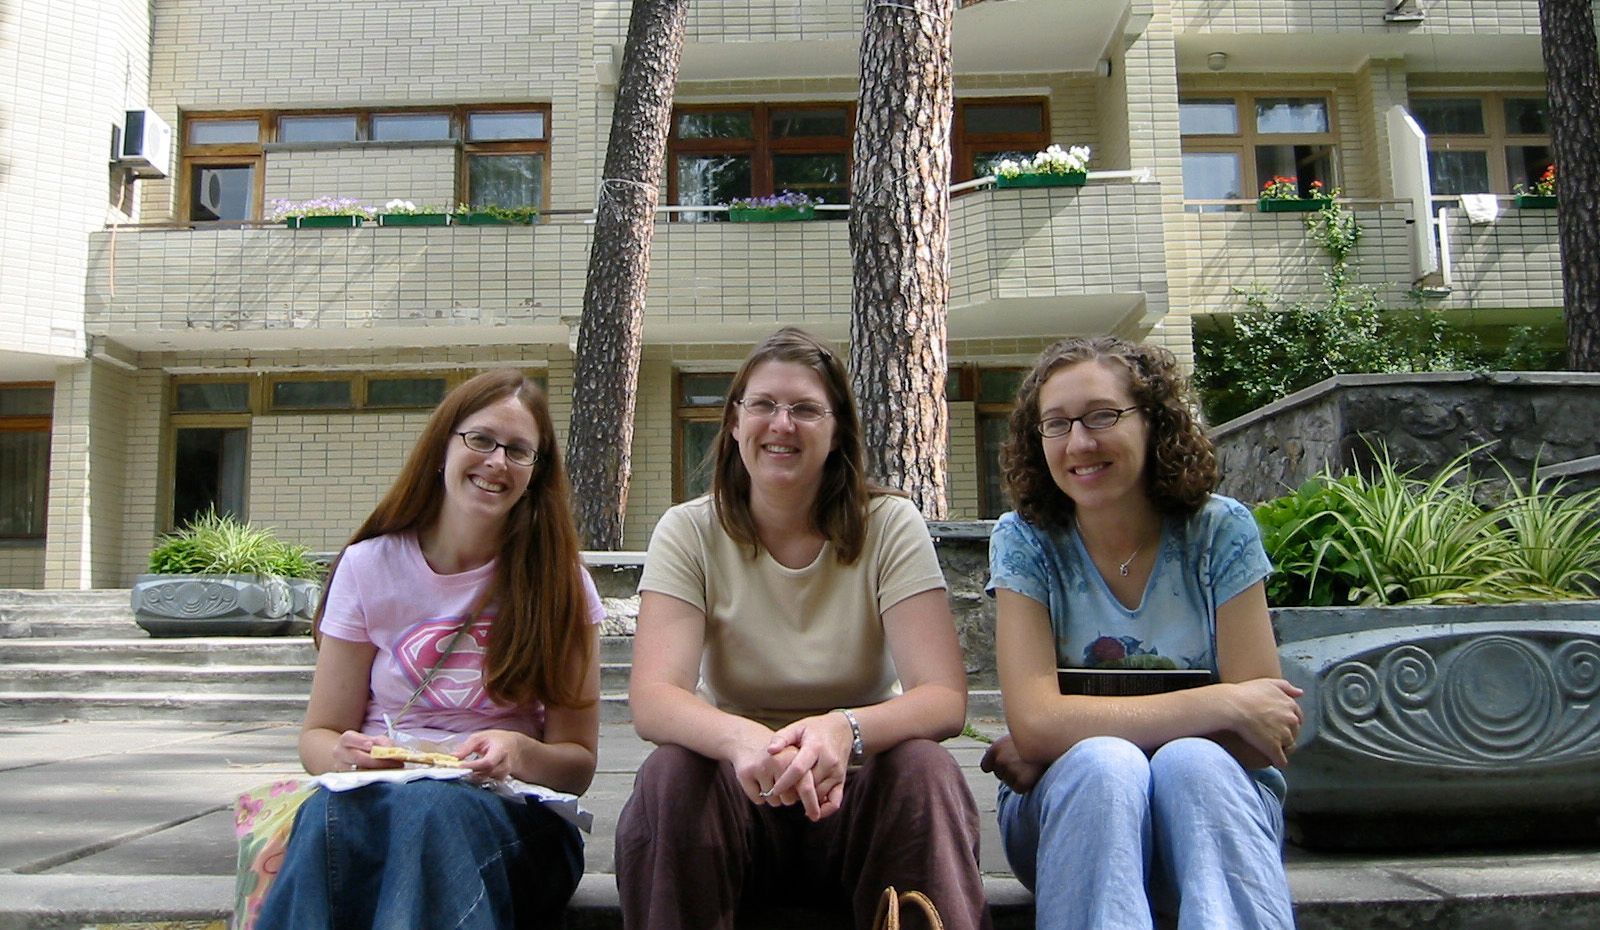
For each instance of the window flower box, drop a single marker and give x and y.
(1534, 201)
(1298, 205)
(1043, 179)
(323, 222)
(320, 213)
(771, 214)
(413, 219)
(488, 219)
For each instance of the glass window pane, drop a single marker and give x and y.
(1527, 116)
(214, 397)
(222, 192)
(711, 179)
(405, 392)
(312, 394)
(999, 385)
(317, 128)
(1208, 117)
(505, 180)
(410, 127)
(208, 471)
(823, 177)
(697, 437)
(26, 401)
(1526, 163)
(810, 122)
(24, 482)
(700, 390)
(983, 163)
(1305, 163)
(716, 124)
(1002, 117)
(506, 124)
(1291, 114)
(224, 131)
(1212, 176)
(993, 430)
(1459, 171)
(1449, 116)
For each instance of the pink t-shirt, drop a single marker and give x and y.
(385, 593)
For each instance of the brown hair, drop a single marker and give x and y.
(840, 510)
(541, 609)
(1181, 471)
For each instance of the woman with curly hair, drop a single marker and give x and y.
(1118, 556)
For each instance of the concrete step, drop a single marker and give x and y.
(42, 706)
(67, 614)
(616, 649)
(191, 651)
(156, 679)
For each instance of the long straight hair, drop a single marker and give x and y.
(537, 635)
(840, 510)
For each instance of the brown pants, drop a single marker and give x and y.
(691, 848)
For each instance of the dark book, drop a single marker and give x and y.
(1129, 682)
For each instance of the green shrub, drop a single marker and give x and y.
(1394, 538)
(218, 544)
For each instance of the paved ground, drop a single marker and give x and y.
(128, 823)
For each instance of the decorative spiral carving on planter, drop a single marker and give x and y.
(1501, 694)
(1577, 666)
(1409, 675)
(191, 599)
(1354, 691)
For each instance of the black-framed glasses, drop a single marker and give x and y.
(485, 444)
(803, 412)
(1103, 418)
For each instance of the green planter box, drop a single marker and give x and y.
(413, 219)
(1534, 202)
(482, 219)
(1303, 205)
(771, 214)
(1074, 179)
(324, 222)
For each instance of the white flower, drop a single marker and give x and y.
(399, 206)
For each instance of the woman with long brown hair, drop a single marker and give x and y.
(458, 618)
(812, 608)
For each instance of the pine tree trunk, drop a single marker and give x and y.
(1572, 73)
(899, 244)
(610, 334)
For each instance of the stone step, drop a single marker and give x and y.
(189, 651)
(42, 706)
(616, 649)
(67, 614)
(89, 597)
(89, 679)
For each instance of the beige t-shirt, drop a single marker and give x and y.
(785, 643)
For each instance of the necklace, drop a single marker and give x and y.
(1122, 567)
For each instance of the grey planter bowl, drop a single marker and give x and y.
(224, 605)
(1444, 725)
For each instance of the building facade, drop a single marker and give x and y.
(165, 348)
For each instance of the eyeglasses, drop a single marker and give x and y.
(1104, 418)
(803, 412)
(485, 444)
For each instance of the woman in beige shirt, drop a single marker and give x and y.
(796, 664)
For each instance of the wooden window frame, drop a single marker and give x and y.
(237, 153)
(1495, 142)
(965, 146)
(1244, 142)
(760, 145)
(30, 423)
(684, 413)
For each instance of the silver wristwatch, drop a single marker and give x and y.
(858, 749)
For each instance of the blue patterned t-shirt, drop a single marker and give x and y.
(1204, 561)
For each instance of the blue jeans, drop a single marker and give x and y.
(423, 854)
(1108, 832)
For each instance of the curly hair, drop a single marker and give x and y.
(1181, 470)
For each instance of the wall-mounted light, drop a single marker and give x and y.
(1216, 61)
(1103, 67)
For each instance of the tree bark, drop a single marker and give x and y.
(610, 333)
(1572, 75)
(899, 244)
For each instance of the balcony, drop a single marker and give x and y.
(1023, 262)
(1512, 263)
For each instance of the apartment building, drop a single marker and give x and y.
(165, 348)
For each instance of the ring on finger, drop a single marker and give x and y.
(764, 794)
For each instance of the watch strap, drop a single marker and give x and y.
(858, 749)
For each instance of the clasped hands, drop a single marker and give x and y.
(805, 763)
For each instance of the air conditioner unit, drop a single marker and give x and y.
(146, 144)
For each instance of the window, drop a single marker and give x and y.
(698, 398)
(1234, 144)
(994, 392)
(504, 157)
(25, 411)
(1484, 143)
(717, 154)
(989, 129)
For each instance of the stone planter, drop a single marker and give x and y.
(224, 605)
(1439, 725)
